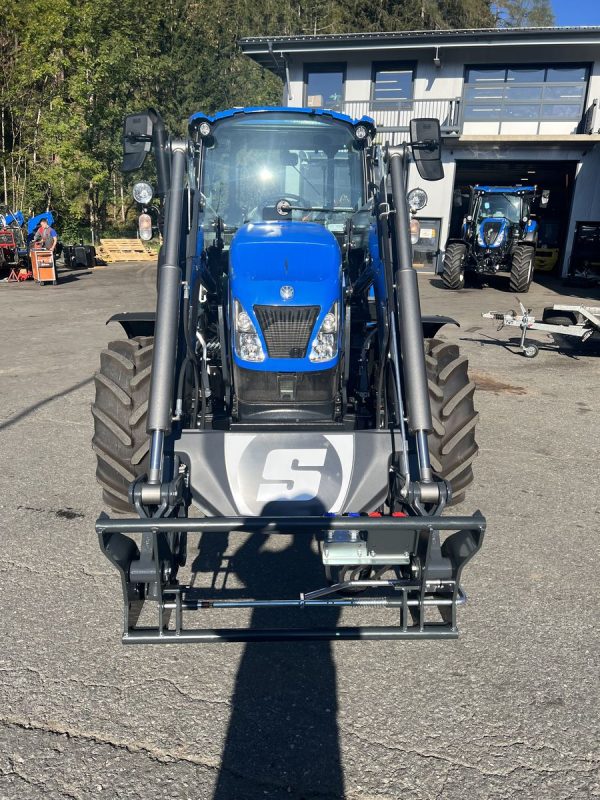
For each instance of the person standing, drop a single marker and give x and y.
(45, 237)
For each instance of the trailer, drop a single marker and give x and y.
(566, 320)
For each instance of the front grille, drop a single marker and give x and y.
(287, 329)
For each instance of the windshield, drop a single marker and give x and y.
(254, 160)
(500, 205)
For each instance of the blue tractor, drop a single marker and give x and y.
(498, 235)
(287, 382)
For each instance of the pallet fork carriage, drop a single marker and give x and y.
(582, 322)
(411, 597)
(288, 383)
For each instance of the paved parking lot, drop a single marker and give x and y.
(509, 710)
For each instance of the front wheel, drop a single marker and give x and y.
(120, 409)
(453, 270)
(452, 445)
(521, 271)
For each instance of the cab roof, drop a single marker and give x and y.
(199, 116)
(504, 189)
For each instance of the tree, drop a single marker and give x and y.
(524, 13)
(67, 83)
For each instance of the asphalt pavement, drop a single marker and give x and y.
(508, 710)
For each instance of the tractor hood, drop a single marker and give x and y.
(266, 256)
(276, 267)
(492, 232)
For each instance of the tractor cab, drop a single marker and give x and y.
(280, 165)
(278, 190)
(499, 214)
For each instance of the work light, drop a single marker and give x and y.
(417, 199)
(142, 192)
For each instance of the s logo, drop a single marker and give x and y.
(303, 473)
(289, 478)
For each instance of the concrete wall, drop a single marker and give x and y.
(586, 198)
(446, 81)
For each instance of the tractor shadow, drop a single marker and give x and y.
(475, 284)
(283, 738)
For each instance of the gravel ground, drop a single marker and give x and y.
(508, 710)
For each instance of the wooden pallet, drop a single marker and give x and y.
(124, 250)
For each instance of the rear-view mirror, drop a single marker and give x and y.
(426, 144)
(137, 140)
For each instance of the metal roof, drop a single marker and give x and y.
(270, 51)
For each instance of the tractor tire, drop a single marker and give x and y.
(453, 270)
(452, 446)
(120, 409)
(521, 271)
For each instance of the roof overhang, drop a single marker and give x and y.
(272, 52)
(580, 141)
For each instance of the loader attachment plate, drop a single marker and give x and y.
(435, 585)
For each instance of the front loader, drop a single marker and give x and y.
(287, 383)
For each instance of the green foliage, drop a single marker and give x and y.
(71, 69)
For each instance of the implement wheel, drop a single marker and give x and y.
(452, 445)
(521, 271)
(120, 409)
(453, 271)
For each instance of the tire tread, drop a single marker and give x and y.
(120, 411)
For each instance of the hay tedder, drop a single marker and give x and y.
(286, 385)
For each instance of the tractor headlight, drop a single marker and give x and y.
(247, 342)
(204, 129)
(324, 345)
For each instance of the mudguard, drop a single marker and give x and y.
(135, 323)
(432, 324)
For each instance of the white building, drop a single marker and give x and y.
(515, 106)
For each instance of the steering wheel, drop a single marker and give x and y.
(277, 200)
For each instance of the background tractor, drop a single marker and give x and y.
(287, 383)
(498, 234)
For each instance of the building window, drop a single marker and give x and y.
(392, 83)
(524, 93)
(324, 86)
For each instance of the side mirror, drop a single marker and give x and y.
(426, 144)
(137, 140)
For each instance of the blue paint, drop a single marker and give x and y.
(265, 256)
(503, 189)
(531, 226)
(315, 112)
(500, 238)
(34, 223)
